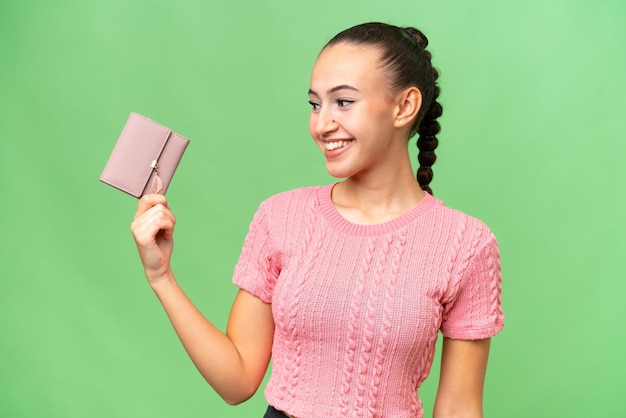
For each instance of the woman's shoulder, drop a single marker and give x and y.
(287, 211)
(469, 226)
(294, 198)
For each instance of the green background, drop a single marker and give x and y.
(532, 143)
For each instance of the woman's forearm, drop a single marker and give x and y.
(212, 351)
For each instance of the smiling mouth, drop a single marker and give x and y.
(330, 146)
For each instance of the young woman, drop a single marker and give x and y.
(346, 286)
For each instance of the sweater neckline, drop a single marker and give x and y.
(337, 220)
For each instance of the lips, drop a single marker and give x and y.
(334, 148)
(333, 145)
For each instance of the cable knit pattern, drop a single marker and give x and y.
(390, 293)
(358, 308)
(348, 366)
(288, 312)
(371, 325)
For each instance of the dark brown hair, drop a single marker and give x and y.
(408, 63)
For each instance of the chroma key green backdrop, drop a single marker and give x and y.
(532, 143)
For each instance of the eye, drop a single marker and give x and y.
(344, 102)
(314, 106)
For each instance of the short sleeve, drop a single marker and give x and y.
(259, 264)
(475, 310)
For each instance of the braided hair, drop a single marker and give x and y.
(405, 58)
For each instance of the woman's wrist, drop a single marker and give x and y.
(161, 280)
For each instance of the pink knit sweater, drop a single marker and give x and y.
(358, 307)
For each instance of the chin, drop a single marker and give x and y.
(338, 172)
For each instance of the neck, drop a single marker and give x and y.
(377, 198)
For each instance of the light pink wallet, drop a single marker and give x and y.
(144, 158)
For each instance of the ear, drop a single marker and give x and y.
(408, 105)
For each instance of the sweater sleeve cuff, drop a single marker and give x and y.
(473, 333)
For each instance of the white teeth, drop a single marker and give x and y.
(335, 144)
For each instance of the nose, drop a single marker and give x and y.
(322, 123)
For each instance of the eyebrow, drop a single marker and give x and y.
(336, 88)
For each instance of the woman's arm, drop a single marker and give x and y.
(233, 363)
(463, 368)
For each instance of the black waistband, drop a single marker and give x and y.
(273, 413)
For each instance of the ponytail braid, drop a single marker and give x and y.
(427, 142)
(426, 124)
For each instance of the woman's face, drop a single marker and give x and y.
(352, 115)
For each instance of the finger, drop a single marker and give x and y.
(148, 201)
(146, 229)
(155, 219)
(167, 234)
